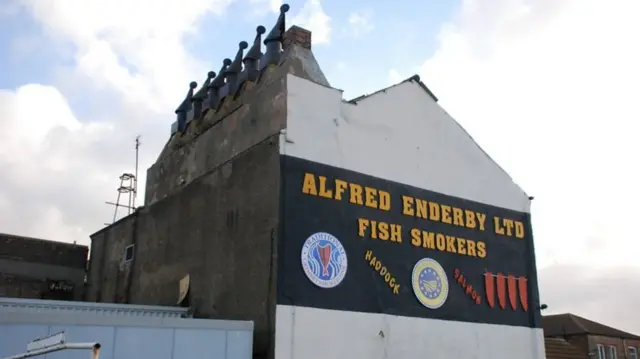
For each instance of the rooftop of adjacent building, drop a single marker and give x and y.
(37, 250)
(8, 237)
(568, 324)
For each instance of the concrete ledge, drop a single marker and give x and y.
(22, 317)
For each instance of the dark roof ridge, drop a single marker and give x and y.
(414, 78)
(582, 326)
(49, 241)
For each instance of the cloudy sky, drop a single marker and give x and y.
(545, 86)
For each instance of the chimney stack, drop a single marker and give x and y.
(297, 36)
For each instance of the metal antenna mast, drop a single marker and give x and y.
(135, 179)
(129, 187)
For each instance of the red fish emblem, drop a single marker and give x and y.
(502, 290)
(522, 288)
(489, 289)
(513, 291)
(324, 252)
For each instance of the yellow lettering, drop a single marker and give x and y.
(519, 229)
(363, 224)
(324, 192)
(380, 230)
(374, 229)
(481, 218)
(496, 224)
(457, 217)
(355, 193)
(508, 225)
(441, 242)
(471, 248)
(434, 211)
(309, 184)
(383, 228)
(451, 244)
(370, 197)
(415, 237)
(482, 249)
(407, 208)
(396, 233)
(461, 249)
(470, 219)
(445, 243)
(428, 240)
(383, 271)
(384, 200)
(421, 208)
(341, 186)
(446, 213)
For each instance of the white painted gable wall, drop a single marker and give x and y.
(400, 135)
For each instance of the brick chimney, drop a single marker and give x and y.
(298, 36)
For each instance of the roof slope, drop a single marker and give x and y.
(556, 348)
(414, 78)
(571, 324)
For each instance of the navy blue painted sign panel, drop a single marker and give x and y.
(354, 242)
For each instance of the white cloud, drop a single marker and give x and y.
(554, 105)
(134, 47)
(361, 23)
(58, 169)
(49, 165)
(313, 18)
(549, 89)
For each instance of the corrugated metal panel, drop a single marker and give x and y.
(104, 309)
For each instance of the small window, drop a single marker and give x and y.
(612, 352)
(601, 352)
(633, 353)
(128, 253)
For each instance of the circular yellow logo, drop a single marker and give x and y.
(430, 283)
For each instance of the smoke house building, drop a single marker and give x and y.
(369, 228)
(36, 268)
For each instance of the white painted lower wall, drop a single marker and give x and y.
(350, 335)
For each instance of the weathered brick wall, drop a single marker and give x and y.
(580, 342)
(620, 344)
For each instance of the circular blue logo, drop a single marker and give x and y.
(324, 260)
(430, 283)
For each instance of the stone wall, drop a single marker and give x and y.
(221, 230)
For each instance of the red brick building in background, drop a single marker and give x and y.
(592, 339)
(35, 268)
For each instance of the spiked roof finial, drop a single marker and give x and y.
(255, 52)
(202, 93)
(236, 65)
(278, 29)
(273, 41)
(186, 103)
